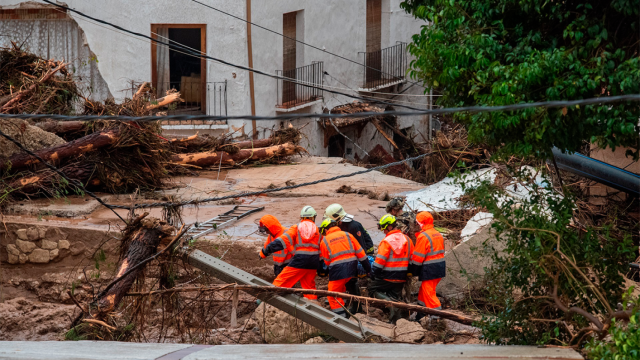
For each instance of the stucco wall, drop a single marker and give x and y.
(334, 25)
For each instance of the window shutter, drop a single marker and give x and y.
(289, 30)
(374, 28)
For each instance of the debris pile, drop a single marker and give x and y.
(32, 85)
(110, 156)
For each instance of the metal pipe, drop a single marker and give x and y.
(599, 171)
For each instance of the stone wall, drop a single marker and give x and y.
(40, 246)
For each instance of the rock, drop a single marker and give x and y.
(278, 327)
(53, 254)
(409, 331)
(63, 244)
(383, 328)
(23, 258)
(77, 248)
(461, 329)
(39, 256)
(12, 259)
(315, 340)
(55, 234)
(21, 234)
(33, 234)
(25, 246)
(12, 249)
(49, 245)
(41, 233)
(466, 263)
(31, 137)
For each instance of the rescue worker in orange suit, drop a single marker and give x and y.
(340, 252)
(428, 262)
(346, 223)
(271, 227)
(390, 269)
(302, 240)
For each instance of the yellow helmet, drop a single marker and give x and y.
(326, 223)
(386, 221)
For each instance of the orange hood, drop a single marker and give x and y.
(271, 223)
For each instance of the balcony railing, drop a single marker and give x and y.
(191, 93)
(292, 94)
(385, 67)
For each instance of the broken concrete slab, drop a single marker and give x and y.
(475, 225)
(466, 264)
(409, 331)
(69, 207)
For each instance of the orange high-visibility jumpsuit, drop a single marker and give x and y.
(392, 260)
(282, 257)
(428, 261)
(341, 252)
(304, 264)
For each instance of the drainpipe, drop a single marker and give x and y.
(251, 85)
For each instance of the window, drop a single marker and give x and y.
(175, 70)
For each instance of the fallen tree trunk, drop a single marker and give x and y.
(361, 299)
(49, 181)
(207, 159)
(249, 144)
(71, 149)
(144, 241)
(61, 127)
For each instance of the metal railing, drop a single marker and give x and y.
(291, 94)
(217, 105)
(385, 67)
(191, 93)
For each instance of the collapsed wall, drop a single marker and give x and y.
(51, 34)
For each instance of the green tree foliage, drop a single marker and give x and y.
(500, 52)
(548, 281)
(625, 340)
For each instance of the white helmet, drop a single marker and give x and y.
(308, 212)
(335, 212)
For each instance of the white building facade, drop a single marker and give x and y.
(109, 60)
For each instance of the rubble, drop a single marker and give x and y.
(409, 331)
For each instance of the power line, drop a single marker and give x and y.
(470, 109)
(266, 191)
(241, 67)
(300, 42)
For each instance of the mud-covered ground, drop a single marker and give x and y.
(35, 303)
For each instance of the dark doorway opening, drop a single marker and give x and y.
(185, 70)
(177, 70)
(336, 146)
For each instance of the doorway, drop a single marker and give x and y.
(177, 70)
(336, 146)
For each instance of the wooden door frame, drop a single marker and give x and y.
(203, 62)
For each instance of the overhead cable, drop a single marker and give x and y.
(298, 41)
(241, 67)
(469, 109)
(266, 191)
